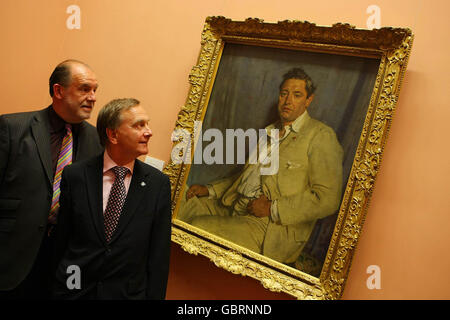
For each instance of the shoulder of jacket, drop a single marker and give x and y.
(320, 127)
(149, 170)
(81, 164)
(19, 116)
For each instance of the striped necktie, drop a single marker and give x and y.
(64, 159)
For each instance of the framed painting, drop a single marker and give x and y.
(278, 146)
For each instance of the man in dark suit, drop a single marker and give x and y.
(30, 150)
(115, 219)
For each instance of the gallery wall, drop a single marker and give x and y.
(146, 49)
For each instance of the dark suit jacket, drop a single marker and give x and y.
(26, 188)
(135, 263)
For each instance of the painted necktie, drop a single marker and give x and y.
(115, 201)
(64, 159)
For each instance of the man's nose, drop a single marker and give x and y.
(148, 132)
(288, 99)
(91, 96)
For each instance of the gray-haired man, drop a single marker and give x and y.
(115, 220)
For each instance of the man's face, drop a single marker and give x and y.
(133, 133)
(79, 97)
(292, 101)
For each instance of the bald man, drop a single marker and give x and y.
(34, 148)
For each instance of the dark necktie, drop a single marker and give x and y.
(64, 159)
(115, 202)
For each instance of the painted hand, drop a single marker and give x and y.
(197, 190)
(259, 207)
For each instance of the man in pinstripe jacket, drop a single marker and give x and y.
(30, 143)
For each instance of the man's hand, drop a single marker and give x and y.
(259, 207)
(197, 190)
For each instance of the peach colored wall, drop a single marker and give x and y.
(146, 49)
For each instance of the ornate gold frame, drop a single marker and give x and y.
(392, 46)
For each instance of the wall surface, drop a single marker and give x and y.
(146, 49)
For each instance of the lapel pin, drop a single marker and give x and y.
(142, 184)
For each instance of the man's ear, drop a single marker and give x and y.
(309, 100)
(58, 90)
(112, 135)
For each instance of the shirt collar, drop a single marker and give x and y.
(298, 123)
(109, 163)
(294, 126)
(57, 124)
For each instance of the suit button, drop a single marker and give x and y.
(41, 227)
(108, 251)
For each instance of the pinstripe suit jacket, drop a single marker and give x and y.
(26, 179)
